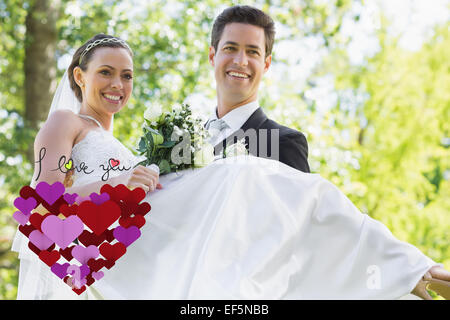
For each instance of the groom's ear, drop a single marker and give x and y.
(267, 63)
(211, 55)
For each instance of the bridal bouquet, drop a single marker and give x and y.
(174, 140)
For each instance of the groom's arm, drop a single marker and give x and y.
(294, 151)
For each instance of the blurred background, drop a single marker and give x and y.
(367, 82)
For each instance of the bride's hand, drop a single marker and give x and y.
(139, 177)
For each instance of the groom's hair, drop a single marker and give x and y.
(84, 54)
(248, 15)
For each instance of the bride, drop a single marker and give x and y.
(240, 228)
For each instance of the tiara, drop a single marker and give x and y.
(100, 41)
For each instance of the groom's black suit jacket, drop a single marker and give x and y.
(293, 147)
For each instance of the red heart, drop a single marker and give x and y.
(98, 218)
(143, 209)
(89, 280)
(127, 208)
(137, 195)
(26, 229)
(117, 193)
(36, 219)
(109, 264)
(88, 238)
(114, 162)
(109, 235)
(137, 221)
(27, 191)
(67, 253)
(49, 258)
(96, 265)
(36, 249)
(68, 211)
(113, 252)
(79, 291)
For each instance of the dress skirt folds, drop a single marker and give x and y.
(252, 228)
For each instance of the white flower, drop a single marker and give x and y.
(236, 149)
(176, 107)
(177, 131)
(204, 156)
(153, 112)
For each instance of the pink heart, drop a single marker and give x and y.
(127, 235)
(21, 218)
(40, 240)
(25, 205)
(62, 232)
(83, 254)
(50, 193)
(81, 199)
(97, 275)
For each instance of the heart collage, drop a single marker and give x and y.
(78, 236)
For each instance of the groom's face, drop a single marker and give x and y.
(239, 63)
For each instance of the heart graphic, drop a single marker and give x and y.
(50, 193)
(137, 221)
(68, 210)
(60, 269)
(98, 275)
(137, 195)
(99, 218)
(127, 235)
(21, 218)
(119, 193)
(67, 253)
(83, 254)
(40, 240)
(70, 198)
(99, 199)
(113, 252)
(87, 224)
(89, 238)
(26, 230)
(25, 205)
(49, 258)
(114, 162)
(36, 220)
(96, 265)
(81, 199)
(69, 164)
(62, 232)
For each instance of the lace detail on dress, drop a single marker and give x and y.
(95, 157)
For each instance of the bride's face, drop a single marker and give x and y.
(108, 81)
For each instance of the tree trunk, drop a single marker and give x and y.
(40, 62)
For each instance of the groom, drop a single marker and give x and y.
(241, 52)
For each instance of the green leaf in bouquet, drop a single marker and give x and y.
(142, 146)
(167, 144)
(150, 141)
(164, 166)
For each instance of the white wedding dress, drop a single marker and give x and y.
(241, 228)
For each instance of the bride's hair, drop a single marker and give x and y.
(84, 54)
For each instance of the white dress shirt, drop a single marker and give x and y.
(234, 119)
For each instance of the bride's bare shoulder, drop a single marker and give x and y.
(61, 123)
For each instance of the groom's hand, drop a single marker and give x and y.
(436, 279)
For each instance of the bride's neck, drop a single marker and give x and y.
(104, 119)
